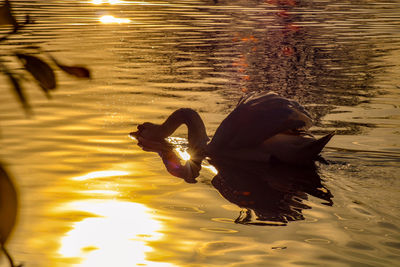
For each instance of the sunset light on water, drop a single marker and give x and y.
(94, 173)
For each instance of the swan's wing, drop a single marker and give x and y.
(271, 99)
(258, 117)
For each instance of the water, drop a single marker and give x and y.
(89, 196)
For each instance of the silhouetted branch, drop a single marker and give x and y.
(7, 18)
(41, 71)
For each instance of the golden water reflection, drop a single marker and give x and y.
(112, 231)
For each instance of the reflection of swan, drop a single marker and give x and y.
(271, 194)
(262, 127)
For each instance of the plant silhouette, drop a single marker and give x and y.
(32, 61)
(8, 210)
(42, 72)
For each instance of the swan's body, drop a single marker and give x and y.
(262, 127)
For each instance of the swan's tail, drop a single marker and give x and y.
(316, 147)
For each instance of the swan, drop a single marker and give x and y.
(263, 127)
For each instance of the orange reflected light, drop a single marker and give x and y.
(117, 234)
(108, 19)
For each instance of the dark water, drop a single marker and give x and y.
(90, 197)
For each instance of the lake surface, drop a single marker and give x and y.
(89, 196)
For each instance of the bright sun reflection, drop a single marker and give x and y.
(182, 154)
(99, 174)
(211, 168)
(112, 2)
(116, 234)
(107, 232)
(108, 19)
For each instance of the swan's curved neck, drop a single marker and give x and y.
(197, 135)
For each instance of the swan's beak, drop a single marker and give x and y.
(134, 135)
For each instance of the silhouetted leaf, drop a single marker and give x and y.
(8, 205)
(6, 17)
(77, 71)
(80, 72)
(40, 70)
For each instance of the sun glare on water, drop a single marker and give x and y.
(100, 174)
(108, 19)
(111, 2)
(107, 231)
(116, 234)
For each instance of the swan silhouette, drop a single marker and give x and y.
(263, 127)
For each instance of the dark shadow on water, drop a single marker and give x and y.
(271, 194)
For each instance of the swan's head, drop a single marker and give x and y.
(148, 131)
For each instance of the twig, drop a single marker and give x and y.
(10, 260)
